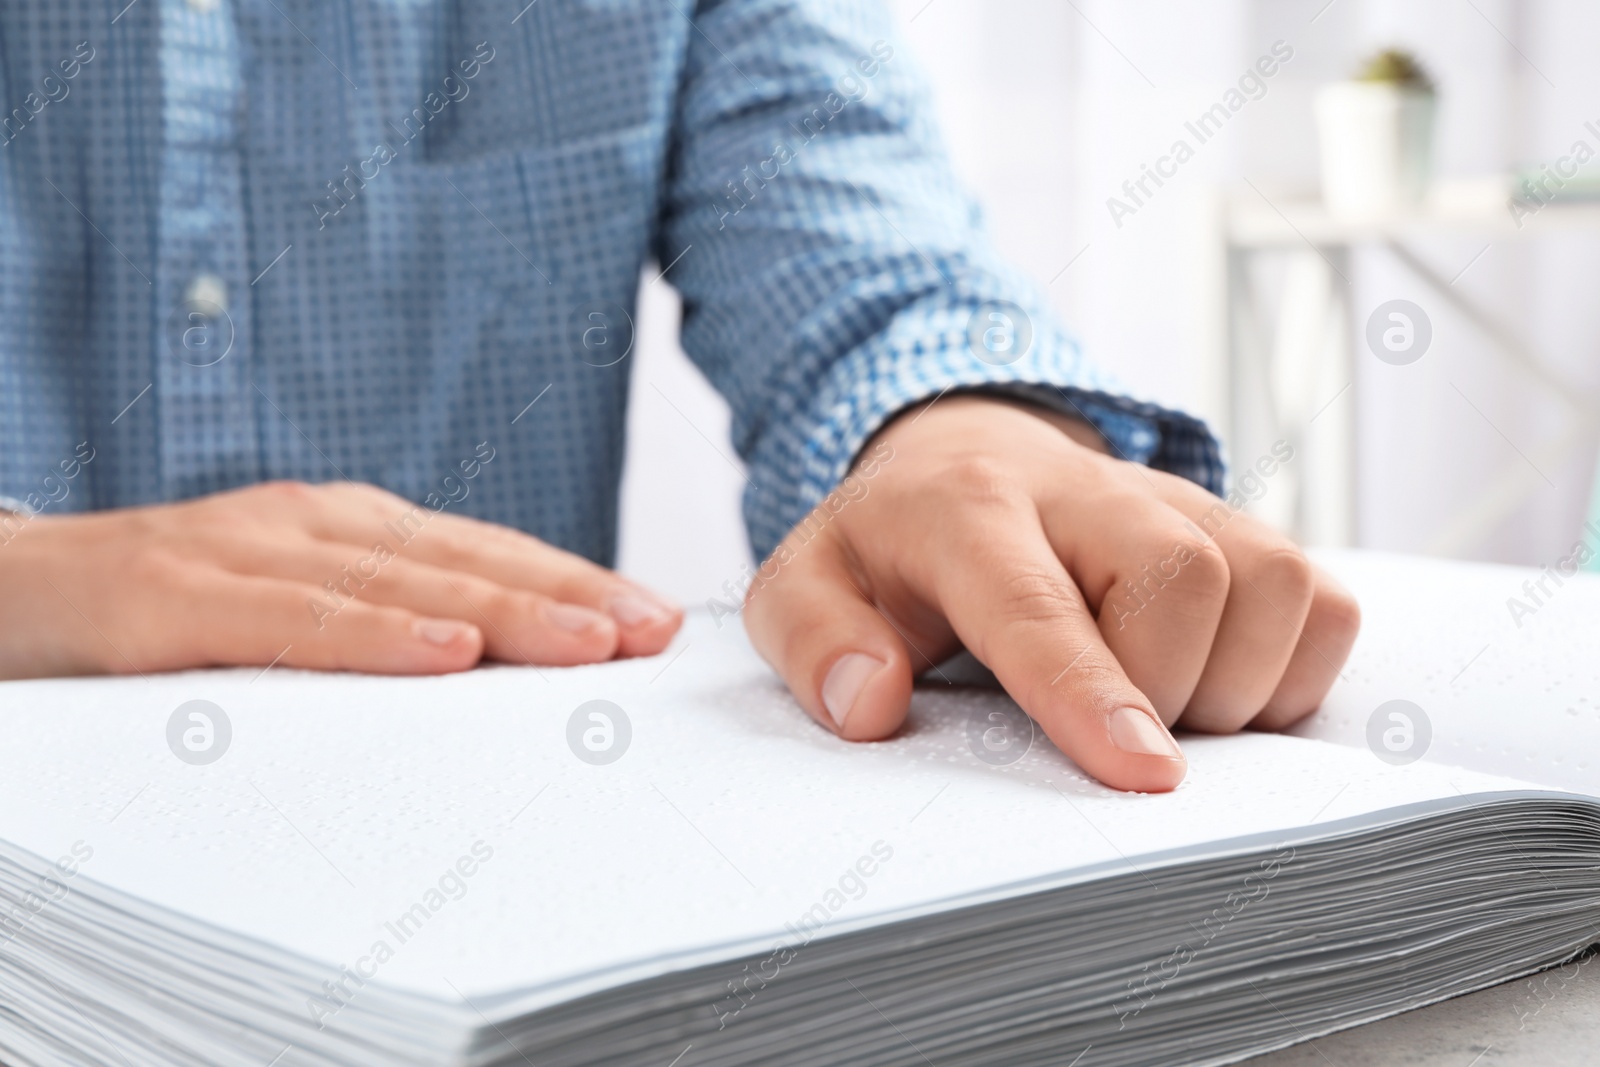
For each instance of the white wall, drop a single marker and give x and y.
(681, 530)
(1049, 106)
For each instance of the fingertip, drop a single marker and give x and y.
(846, 663)
(1143, 757)
(646, 622)
(445, 645)
(651, 639)
(1148, 774)
(586, 635)
(865, 695)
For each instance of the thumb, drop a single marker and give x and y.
(841, 658)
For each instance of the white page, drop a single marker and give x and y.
(342, 800)
(1499, 697)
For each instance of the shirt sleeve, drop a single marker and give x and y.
(831, 270)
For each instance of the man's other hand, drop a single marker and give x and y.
(339, 576)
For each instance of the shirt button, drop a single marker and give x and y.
(207, 293)
(203, 7)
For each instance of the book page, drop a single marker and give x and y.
(1498, 673)
(495, 834)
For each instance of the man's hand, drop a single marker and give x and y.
(1110, 600)
(339, 576)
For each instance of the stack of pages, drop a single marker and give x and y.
(664, 862)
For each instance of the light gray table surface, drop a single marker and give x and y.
(1549, 1020)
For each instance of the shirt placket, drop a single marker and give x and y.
(208, 429)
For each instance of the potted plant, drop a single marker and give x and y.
(1376, 135)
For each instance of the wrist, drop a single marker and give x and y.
(1077, 428)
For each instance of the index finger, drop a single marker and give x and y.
(1017, 610)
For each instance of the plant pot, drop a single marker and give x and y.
(1377, 146)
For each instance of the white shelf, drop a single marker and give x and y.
(1267, 219)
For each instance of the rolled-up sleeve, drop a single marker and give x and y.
(833, 273)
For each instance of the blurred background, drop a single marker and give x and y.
(1233, 291)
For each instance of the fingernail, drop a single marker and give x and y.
(845, 681)
(1136, 730)
(441, 631)
(637, 609)
(573, 617)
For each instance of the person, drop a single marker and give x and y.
(314, 324)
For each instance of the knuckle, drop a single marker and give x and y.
(1210, 568)
(449, 549)
(1031, 597)
(1286, 571)
(980, 480)
(1194, 574)
(1095, 679)
(367, 491)
(584, 584)
(356, 493)
(508, 605)
(156, 567)
(273, 501)
(1337, 612)
(586, 590)
(358, 619)
(1095, 673)
(346, 644)
(287, 491)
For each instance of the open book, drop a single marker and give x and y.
(664, 862)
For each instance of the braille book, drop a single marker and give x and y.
(665, 862)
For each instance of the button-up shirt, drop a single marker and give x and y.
(380, 239)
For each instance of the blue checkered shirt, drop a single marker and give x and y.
(324, 239)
